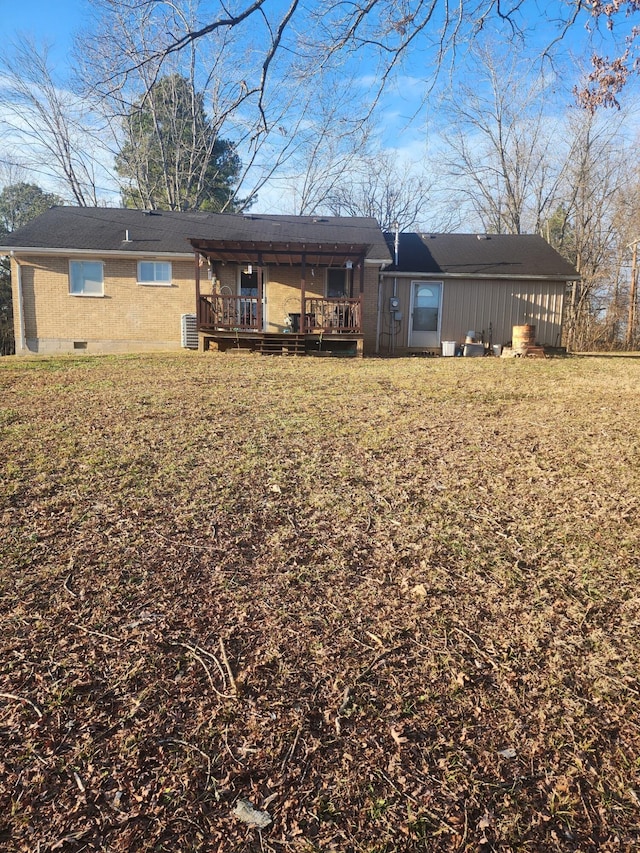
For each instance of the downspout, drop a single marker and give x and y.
(361, 296)
(260, 305)
(392, 324)
(303, 294)
(21, 343)
(199, 311)
(379, 318)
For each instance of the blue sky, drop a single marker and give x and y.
(50, 20)
(55, 21)
(405, 117)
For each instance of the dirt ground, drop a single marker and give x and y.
(388, 605)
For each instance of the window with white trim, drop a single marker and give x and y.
(86, 278)
(154, 272)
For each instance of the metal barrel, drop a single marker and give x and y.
(523, 337)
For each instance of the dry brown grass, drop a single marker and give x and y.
(393, 603)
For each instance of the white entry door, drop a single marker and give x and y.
(426, 310)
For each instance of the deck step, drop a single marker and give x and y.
(274, 344)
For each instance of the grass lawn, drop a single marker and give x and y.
(393, 604)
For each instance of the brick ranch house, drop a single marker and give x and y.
(107, 280)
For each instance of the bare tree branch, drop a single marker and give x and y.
(48, 122)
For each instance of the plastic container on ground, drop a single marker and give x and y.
(448, 348)
(473, 350)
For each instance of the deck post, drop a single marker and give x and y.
(198, 307)
(260, 282)
(361, 296)
(303, 293)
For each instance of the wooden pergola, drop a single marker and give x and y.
(261, 254)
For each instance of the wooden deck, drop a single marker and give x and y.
(327, 326)
(266, 343)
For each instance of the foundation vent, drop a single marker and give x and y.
(189, 331)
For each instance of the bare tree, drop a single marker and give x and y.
(304, 127)
(386, 31)
(263, 67)
(390, 190)
(521, 167)
(588, 230)
(623, 312)
(503, 146)
(48, 124)
(331, 138)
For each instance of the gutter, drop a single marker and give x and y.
(501, 276)
(131, 253)
(21, 343)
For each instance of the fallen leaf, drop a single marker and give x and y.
(247, 813)
(397, 736)
(509, 752)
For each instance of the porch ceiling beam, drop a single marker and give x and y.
(282, 253)
(277, 251)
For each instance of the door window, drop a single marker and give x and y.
(426, 308)
(337, 283)
(248, 307)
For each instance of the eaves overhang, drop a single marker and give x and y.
(438, 276)
(113, 253)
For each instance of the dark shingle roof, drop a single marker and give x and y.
(102, 229)
(479, 255)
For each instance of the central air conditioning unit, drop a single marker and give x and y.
(189, 328)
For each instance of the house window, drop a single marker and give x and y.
(86, 278)
(154, 272)
(337, 283)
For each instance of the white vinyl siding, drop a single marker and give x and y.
(495, 307)
(492, 306)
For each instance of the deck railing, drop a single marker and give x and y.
(332, 315)
(228, 312)
(231, 312)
